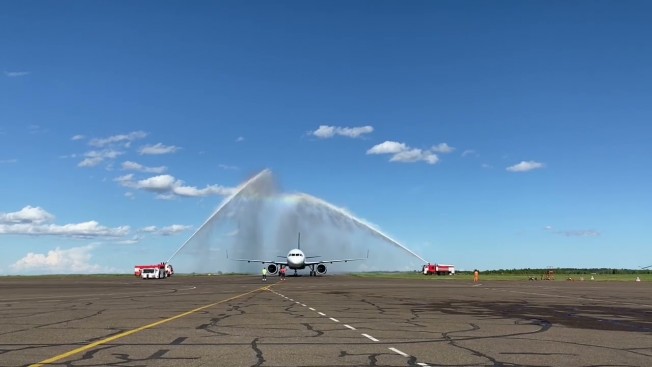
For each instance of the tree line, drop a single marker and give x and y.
(562, 271)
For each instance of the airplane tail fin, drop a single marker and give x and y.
(299, 241)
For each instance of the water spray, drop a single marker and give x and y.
(224, 203)
(359, 222)
(255, 194)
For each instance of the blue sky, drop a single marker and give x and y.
(496, 134)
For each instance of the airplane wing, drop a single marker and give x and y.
(335, 261)
(284, 263)
(332, 261)
(260, 261)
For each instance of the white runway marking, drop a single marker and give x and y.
(336, 320)
(370, 337)
(423, 364)
(399, 352)
(321, 313)
(303, 305)
(311, 309)
(350, 327)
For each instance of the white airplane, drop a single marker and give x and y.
(297, 260)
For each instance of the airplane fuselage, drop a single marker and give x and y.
(296, 259)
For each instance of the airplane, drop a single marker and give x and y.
(297, 260)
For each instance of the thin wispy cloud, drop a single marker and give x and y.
(442, 148)
(94, 157)
(16, 74)
(524, 166)
(36, 129)
(167, 231)
(401, 152)
(227, 167)
(133, 166)
(158, 149)
(325, 131)
(78, 137)
(125, 139)
(240, 139)
(469, 152)
(168, 187)
(574, 232)
(8, 161)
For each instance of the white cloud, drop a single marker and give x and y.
(95, 157)
(76, 260)
(191, 191)
(122, 138)
(402, 153)
(415, 155)
(525, 166)
(240, 139)
(325, 131)
(133, 166)
(168, 187)
(166, 231)
(78, 137)
(387, 147)
(28, 214)
(36, 221)
(15, 74)
(158, 149)
(442, 148)
(84, 230)
(131, 241)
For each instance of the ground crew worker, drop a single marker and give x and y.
(282, 273)
(476, 276)
(264, 274)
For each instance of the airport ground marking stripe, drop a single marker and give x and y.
(399, 352)
(370, 337)
(134, 331)
(321, 313)
(311, 309)
(423, 364)
(350, 327)
(336, 320)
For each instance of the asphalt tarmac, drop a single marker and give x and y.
(334, 320)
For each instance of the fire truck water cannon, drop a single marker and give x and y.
(158, 271)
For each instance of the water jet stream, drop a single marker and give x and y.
(267, 218)
(224, 203)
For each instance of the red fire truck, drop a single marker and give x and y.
(158, 271)
(438, 269)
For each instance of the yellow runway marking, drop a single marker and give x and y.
(133, 331)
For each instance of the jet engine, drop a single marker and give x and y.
(321, 269)
(272, 269)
